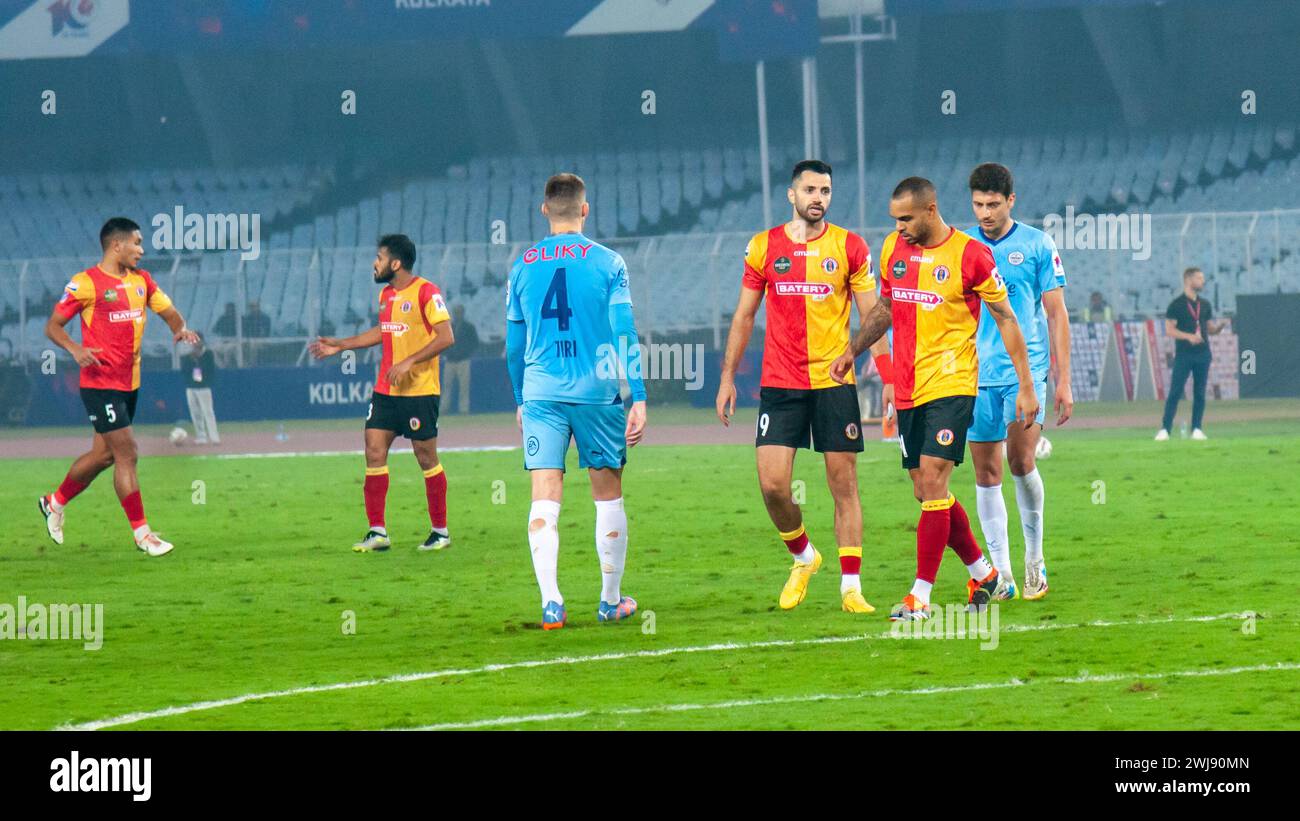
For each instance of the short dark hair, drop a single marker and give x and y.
(114, 228)
(564, 195)
(399, 248)
(916, 186)
(815, 166)
(1187, 273)
(991, 176)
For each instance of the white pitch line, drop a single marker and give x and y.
(542, 718)
(292, 454)
(402, 678)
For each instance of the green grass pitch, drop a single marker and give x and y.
(1140, 536)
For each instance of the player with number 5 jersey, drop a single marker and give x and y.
(112, 299)
(570, 338)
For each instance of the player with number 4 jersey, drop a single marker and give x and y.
(570, 336)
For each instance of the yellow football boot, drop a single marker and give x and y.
(796, 587)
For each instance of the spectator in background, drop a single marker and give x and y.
(198, 392)
(1098, 309)
(226, 322)
(1188, 320)
(456, 359)
(257, 325)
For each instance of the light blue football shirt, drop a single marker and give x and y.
(1028, 261)
(562, 289)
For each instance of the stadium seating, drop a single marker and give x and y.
(1215, 198)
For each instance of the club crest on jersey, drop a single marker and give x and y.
(851, 430)
(394, 328)
(829, 265)
(139, 290)
(817, 290)
(406, 307)
(1015, 257)
(782, 265)
(414, 423)
(944, 437)
(928, 300)
(899, 269)
(941, 274)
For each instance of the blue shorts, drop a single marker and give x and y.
(598, 430)
(995, 409)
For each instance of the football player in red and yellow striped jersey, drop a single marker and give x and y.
(810, 271)
(933, 281)
(111, 298)
(414, 327)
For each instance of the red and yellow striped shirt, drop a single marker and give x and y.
(936, 293)
(112, 319)
(808, 287)
(406, 320)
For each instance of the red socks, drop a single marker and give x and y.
(435, 489)
(134, 507)
(961, 538)
(376, 493)
(931, 536)
(796, 541)
(68, 490)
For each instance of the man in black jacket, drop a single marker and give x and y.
(1188, 320)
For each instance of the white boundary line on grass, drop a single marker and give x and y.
(291, 454)
(540, 718)
(402, 678)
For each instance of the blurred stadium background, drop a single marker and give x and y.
(683, 116)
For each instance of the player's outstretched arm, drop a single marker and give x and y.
(1058, 328)
(1014, 340)
(176, 322)
(58, 334)
(328, 345)
(742, 327)
(874, 324)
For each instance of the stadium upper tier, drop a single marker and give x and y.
(654, 207)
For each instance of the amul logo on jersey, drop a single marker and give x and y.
(928, 300)
(394, 328)
(133, 315)
(817, 291)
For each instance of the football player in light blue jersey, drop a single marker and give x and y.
(1028, 261)
(570, 336)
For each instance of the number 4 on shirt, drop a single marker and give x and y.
(555, 305)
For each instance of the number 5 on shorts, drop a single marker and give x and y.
(110, 413)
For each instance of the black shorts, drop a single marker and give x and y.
(415, 417)
(935, 428)
(108, 409)
(786, 416)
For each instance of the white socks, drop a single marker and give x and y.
(545, 544)
(1029, 497)
(850, 581)
(806, 557)
(140, 532)
(979, 569)
(921, 590)
(611, 547)
(992, 510)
